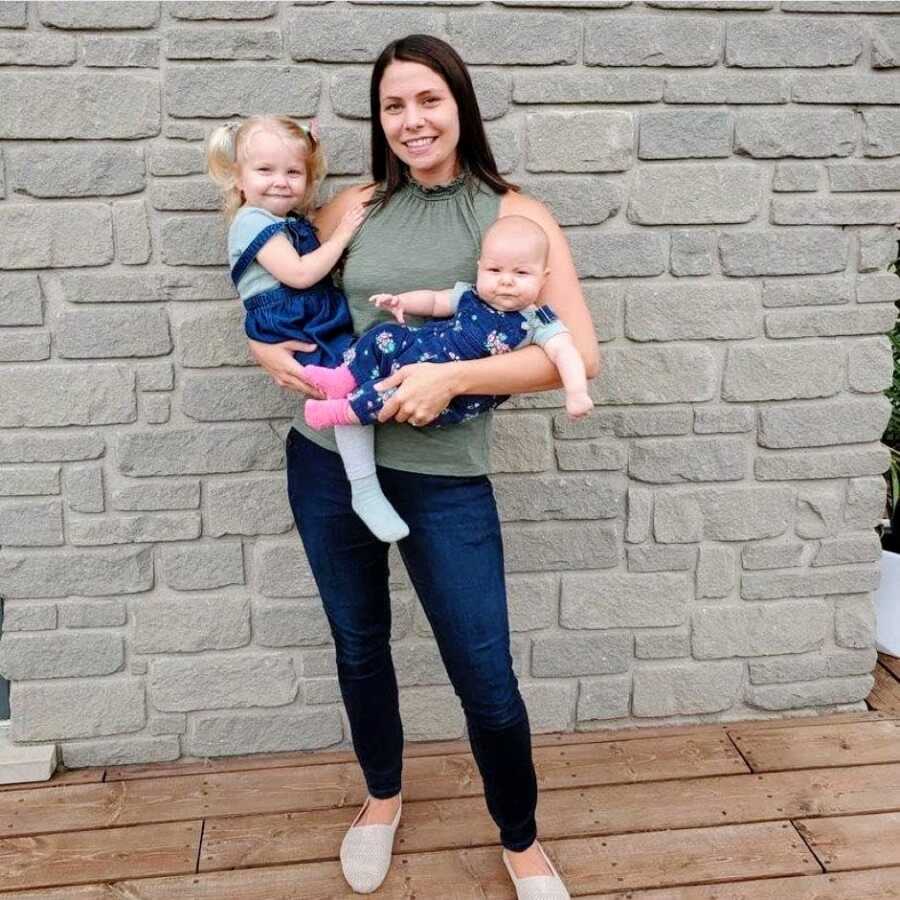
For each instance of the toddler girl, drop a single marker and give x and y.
(269, 168)
(498, 316)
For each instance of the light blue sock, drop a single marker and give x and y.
(370, 504)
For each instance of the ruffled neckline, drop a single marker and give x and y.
(438, 191)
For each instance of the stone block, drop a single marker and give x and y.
(851, 662)
(819, 511)
(80, 708)
(635, 422)
(882, 288)
(865, 502)
(521, 442)
(155, 376)
(195, 10)
(20, 300)
(37, 50)
(533, 601)
(28, 616)
(297, 623)
(824, 692)
(772, 555)
(226, 396)
(777, 585)
(38, 236)
(827, 322)
(431, 714)
(881, 132)
(807, 291)
(604, 303)
(99, 614)
(133, 287)
(231, 735)
(132, 232)
(32, 481)
(538, 39)
(106, 333)
(796, 251)
(791, 43)
(640, 510)
(673, 461)
(870, 365)
(576, 200)
(854, 621)
(14, 15)
(597, 454)
(120, 751)
(796, 176)
(241, 90)
(157, 495)
(596, 141)
(221, 681)
(731, 88)
(418, 663)
(608, 255)
(38, 396)
(823, 424)
(128, 14)
(864, 177)
(25, 346)
(248, 506)
(345, 33)
(783, 372)
(666, 311)
(625, 600)
(848, 548)
(76, 170)
(155, 409)
(760, 629)
(223, 43)
(199, 450)
(684, 134)
(198, 194)
(876, 248)
(669, 374)
(724, 419)
(770, 134)
(179, 625)
(581, 654)
(202, 566)
(214, 338)
(692, 252)
(89, 105)
(839, 6)
(121, 52)
(177, 159)
(789, 668)
(27, 447)
(662, 643)
(603, 698)
(550, 706)
(31, 523)
(193, 241)
(586, 86)
(559, 546)
(282, 569)
(134, 529)
(84, 488)
(722, 514)
(60, 655)
(556, 497)
(835, 211)
(686, 689)
(716, 571)
(652, 41)
(849, 89)
(665, 558)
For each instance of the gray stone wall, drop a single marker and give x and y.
(701, 548)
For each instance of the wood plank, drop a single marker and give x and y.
(875, 884)
(80, 856)
(854, 842)
(891, 663)
(324, 786)
(253, 840)
(779, 749)
(885, 693)
(630, 861)
(60, 778)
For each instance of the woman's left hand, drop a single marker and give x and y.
(423, 392)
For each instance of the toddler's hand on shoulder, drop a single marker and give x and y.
(390, 302)
(350, 221)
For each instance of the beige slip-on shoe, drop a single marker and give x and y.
(366, 852)
(538, 887)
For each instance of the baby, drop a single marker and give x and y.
(499, 315)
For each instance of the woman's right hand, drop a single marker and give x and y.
(278, 360)
(350, 221)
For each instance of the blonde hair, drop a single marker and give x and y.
(226, 146)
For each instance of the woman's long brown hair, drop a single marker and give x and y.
(473, 150)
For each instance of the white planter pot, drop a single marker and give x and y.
(887, 605)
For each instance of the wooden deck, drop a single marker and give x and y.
(799, 809)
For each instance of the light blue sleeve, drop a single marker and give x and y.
(542, 332)
(458, 290)
(247, 224)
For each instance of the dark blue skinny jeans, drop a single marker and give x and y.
(454, 556)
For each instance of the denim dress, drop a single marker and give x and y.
(318, 314)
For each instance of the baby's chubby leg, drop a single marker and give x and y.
(333, 383)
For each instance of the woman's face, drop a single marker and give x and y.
(420, 121)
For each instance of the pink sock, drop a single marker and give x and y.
(326, 413)
(333, 383)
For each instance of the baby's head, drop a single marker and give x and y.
(512, 269)
(266, 161)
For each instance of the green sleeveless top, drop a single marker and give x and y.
(424, 239)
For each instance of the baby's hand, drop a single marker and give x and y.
(391, 302)
(578, 406)
(350, 221)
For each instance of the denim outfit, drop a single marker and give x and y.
(474, 331)
(318, 314)
(454, 556)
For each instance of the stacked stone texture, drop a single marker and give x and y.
(700, 548)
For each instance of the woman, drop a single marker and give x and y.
(436, 191)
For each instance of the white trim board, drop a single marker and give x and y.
(24, 762)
